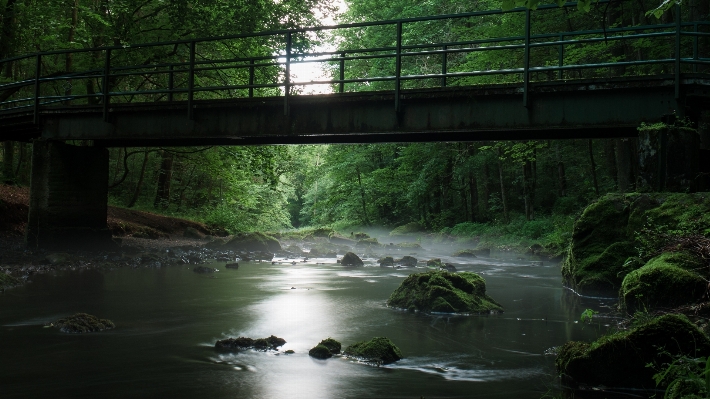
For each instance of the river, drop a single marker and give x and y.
(168, 319)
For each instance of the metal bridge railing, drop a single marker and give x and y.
(260, 64)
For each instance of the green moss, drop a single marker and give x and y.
(378, 350)
(320, 352)
(409, 245)
(436, 262)
(665, 281)
(83, 323)
(441, 291)
(332, 345)
(621, 359)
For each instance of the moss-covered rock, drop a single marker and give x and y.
(407, 229)
(243, 343)
(407, 261)
(441, 291)
(7, 281)
(253, 242)
(324, 250)
(436, 262)
(605, 235)
(377, 350)
(368, 242)
(668, 280)
(621, 359)
(350, 259)
(325, 349)
(465, 253)
(409, 245)
(320, 352)
(82, 323)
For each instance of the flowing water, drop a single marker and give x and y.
(168, 320)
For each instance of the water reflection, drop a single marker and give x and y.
(168, 320)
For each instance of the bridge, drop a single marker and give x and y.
(241, 89)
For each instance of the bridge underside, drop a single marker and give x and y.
(591, 109)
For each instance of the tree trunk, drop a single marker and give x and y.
(502, 186)
(137, 192)
(69, 57)
(165, 177)
(528, 189)
(594, 167)
(473, 196)
(486, 184)
(7, 36)
(362, 197)
(8, 161)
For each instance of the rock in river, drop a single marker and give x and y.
(243, 343)
(203, 270)
(350, 259)
(82, 323)
(378, 350)
(442, 291)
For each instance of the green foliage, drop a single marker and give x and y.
(587, 315)
(685, 377)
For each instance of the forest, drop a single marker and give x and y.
(528, 189)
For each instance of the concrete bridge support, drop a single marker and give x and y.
(68, 197)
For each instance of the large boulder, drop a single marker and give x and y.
(666, 281)
(407, 261)
(606, 236)
(622, 359)
(350, 259)
(378, 350)
(325, 349)
(253, 242)
(445, 292)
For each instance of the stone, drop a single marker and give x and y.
(350, 259)
(449, 267)
(244, 343)
(82, 323)
(407, 261)
(203, 270)
(386, 261)
(191, 232)
(444, 292)
(253, 242)
(379, 350)
(620, 360)
(465, 253)
(232, 265)
(320, 352)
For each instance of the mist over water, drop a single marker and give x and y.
(167, 321)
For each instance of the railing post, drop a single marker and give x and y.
(677, 51)
(191, 82)
(341, 88)
(38, 70)
(251, 78)
(695, 47)
(526, 66)
(561, 57)
(287, 80)
(171, 83)
(398, 67)
(444, 68)
(107, 72)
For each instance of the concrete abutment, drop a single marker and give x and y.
(68, 197)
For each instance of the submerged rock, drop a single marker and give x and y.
(243, 343)
(442, 291)
(82, 323)
(378, 350)
(449, 267)
(620, 360)
(668, 280)
(203, 270)
(407, 261)
(350, 259)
